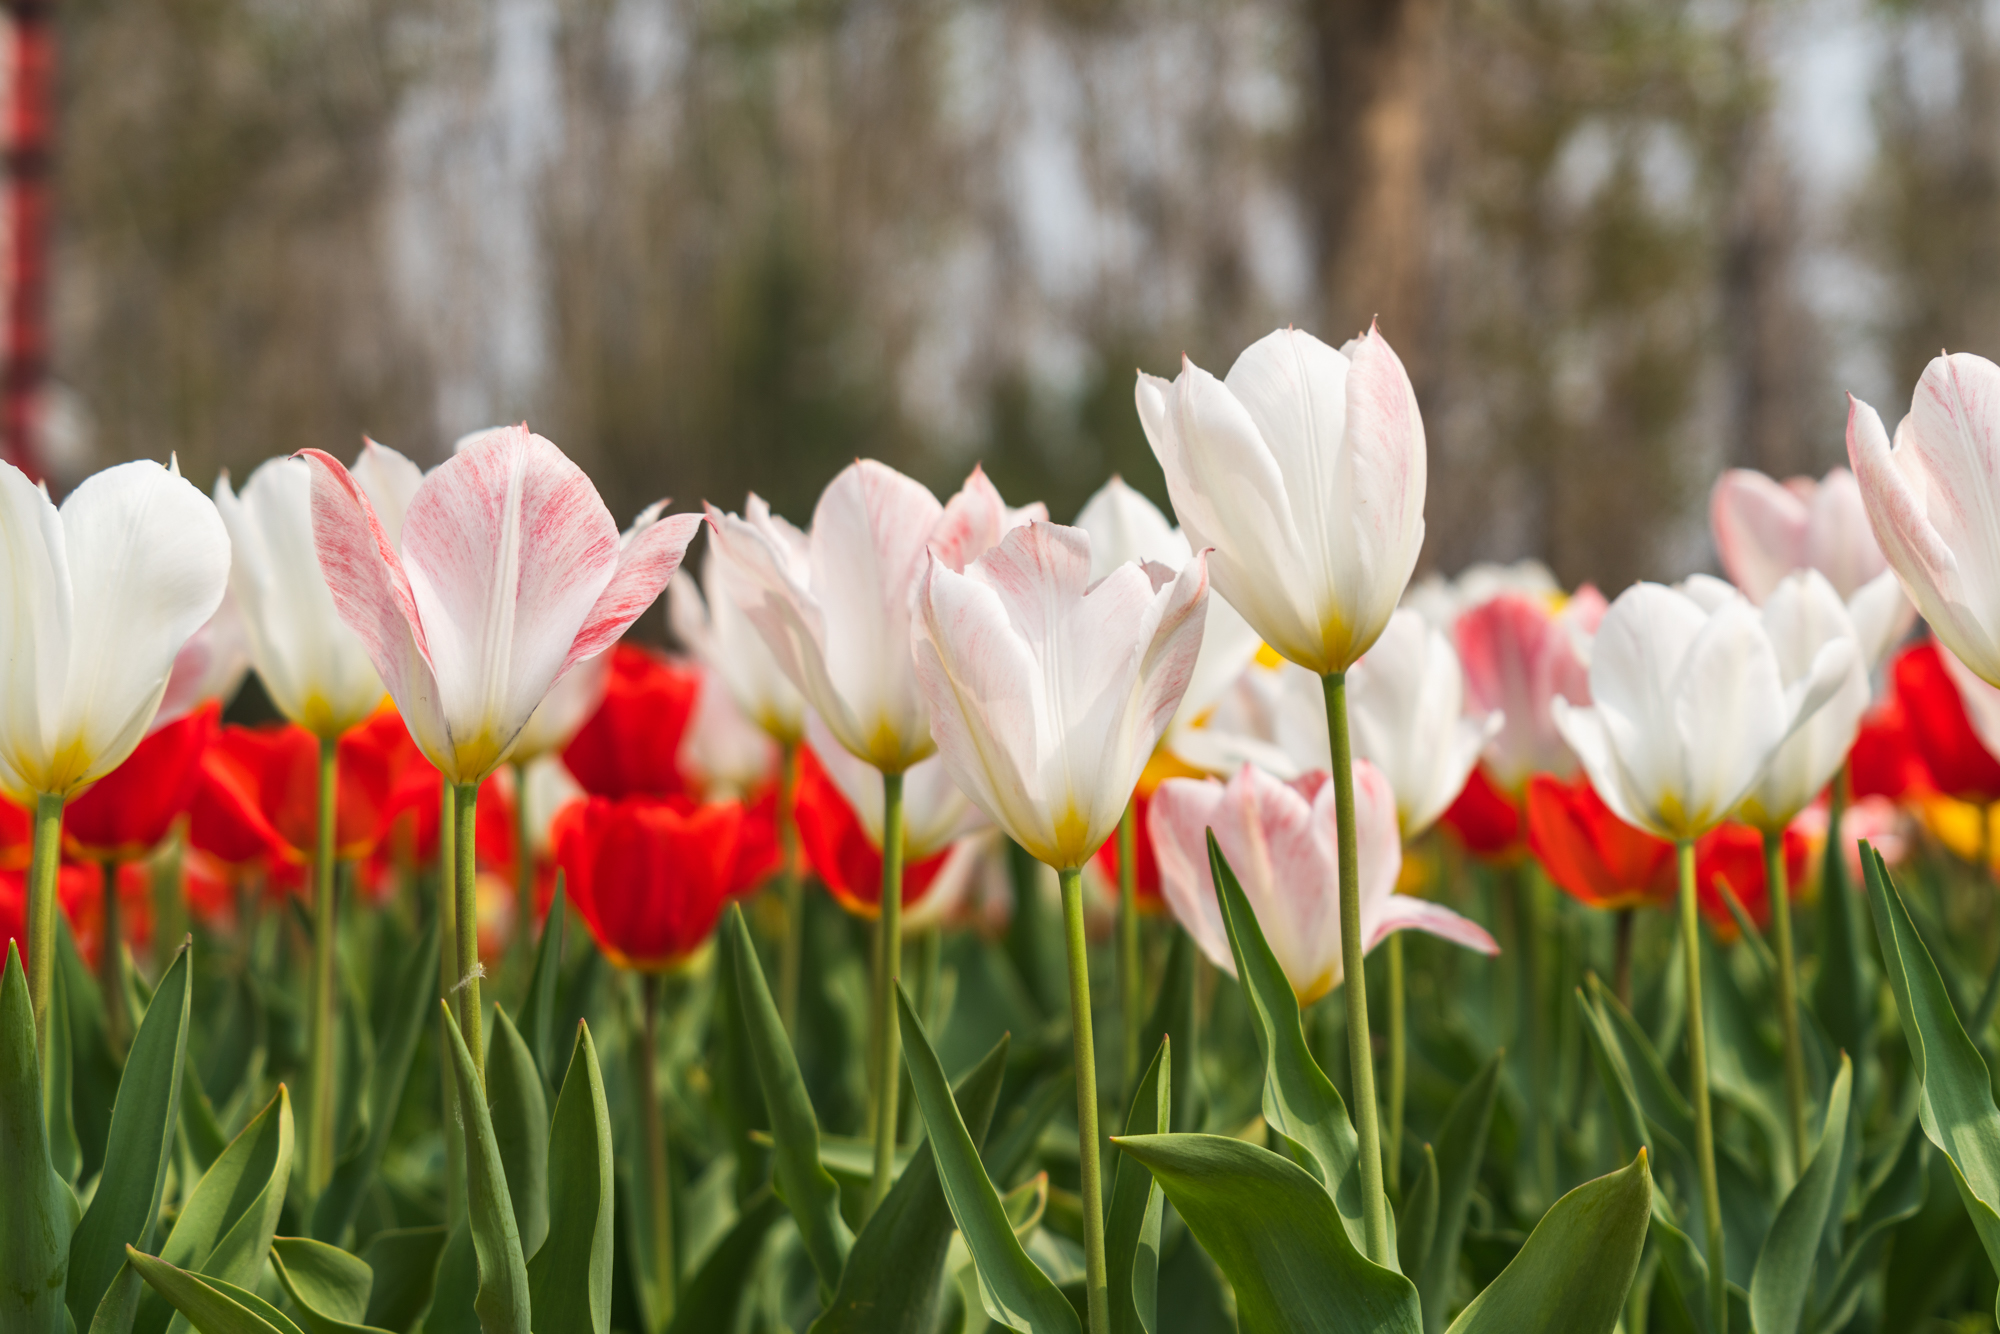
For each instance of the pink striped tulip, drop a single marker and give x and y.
(1521, 653)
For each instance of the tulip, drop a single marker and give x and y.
(1486, 821)
(834, 609)
(1304, 470)
(1598, 859)
(1047, 694)
(1930, 497)
(1736, 855)
(631, 745)
(1766, 530)
(1955, 759)
(1690, 702)
(105, 592)
(723, 753)
(1282, 840)
(1407, 701)
(210, 666)
(1521, 654)
(1885, 762)
(845, 851)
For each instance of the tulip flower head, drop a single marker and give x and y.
(1521, 654)
(210, 667)
(315, 669)
(1690, 701)
(834, 607)
(1280, 840)
(1592, 855)
(509, 574)
(649, 875)
(1930, 499)
(132, 809)
(102, 595)
(1766, 530)
(1939, 720)
(1048, 692)
(844, 847)
(1406, 705)
(1304, 470)
(714, 629)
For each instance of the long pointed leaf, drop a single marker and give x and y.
(1132, 1231)
(570, 1277)
(1273, 1230)
(328, 1286)
(35, 1219)
(538, 1010)
(1461, 1148)
(213, 1306)
(1574, 1272)
(520, 1111)
(1783, 1278)
(502, 1299)
(126, 1207)
(1013, 1290)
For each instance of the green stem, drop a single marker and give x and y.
(43, 864)
(1531, 900)
(660, 1199)
(791, 890)
(465, 895)
(110, 970)
(322, 1017)
(454, 1140)
(930, 968)
(1704, 1121)
(1398, 1059)
(1621, 956)
(1788, 992)
(1360, 1044)
(1084, 1056)
(888, 967)
(524, 870)
(1131, 985)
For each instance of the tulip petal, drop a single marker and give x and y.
(1177, 821)
(1982, 701)
(1125, 526)
(1839, 543)
(35, 602)
(1730, 713)
(1583, 728)
(1760, 530)
(390, 482)
(646, 562)
(1388, 457)
(1404, 912)
(1882, 615)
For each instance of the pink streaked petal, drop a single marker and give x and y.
(1760, 529)
(370, 587)
(975, 520)
(1402, 912)
(1177, 820)
(645, 565)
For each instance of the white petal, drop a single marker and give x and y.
(35, 608)
(1125, 526)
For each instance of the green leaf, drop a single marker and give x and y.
(1572, 1276)
(94, 1069)
(805, 1186)
(1461, 1147)
(1841, 995)
(1013, 1290)
(502, 1298)
(329, 1286)
(36, 1208)
(212, 1305)
(1300, 1102)
(570, 1277)
(520, 1112)
(126, 1207)
(334, 1212)
(1173, 1017)
(538, 1010)
(1274, 1232)
(1783, 1278)
(1956, 1104)
(1132, 1229)
(896, 1269)
(711, 1299)
(65, 1150)
(206, 1138)
(405, 1264)
(224, 1230)
(1416, 1223)
(1895, 1200)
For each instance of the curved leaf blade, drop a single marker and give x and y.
(502, 1297)
(569, 1280)
(329, 1286)
(214, 1307)
(1132, 1229)
(35, 1220)
(1782, 1280)
(520, 1111)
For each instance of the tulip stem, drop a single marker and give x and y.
(454, 1140)
(321, 1018)
(1788, 992)
(1131, 984)
(465, 881)
(1621, 955)
(888, 967)
(1704, 1120)
(1360, 1043)
(110, 976)
(42, 867)
(524, 866)
(659, 1176)
(1083, 1055)
(1398, 1059)
(791, 890)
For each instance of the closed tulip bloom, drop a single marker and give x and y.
(1956, 761)
(102, 595)
(1304, 470)
(1406, 699)
(936, 812)
(1930, 499)
(259, 794)
(1047, 691)
(1765, 530)
(132, 809)
(714, 629)
(1522, 653)
(1592, 855)
(1280, 840)
(316, 670)
(510, 572)
(649, 876)
(846, 853)
(632, 743)
(834, 606)
(1487, 821)
(1885, 762)
(1689, 705)
(1733, 855)
(1802, 615)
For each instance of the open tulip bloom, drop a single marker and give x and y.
(1047, 694)
(510, 572)
(1692, 700)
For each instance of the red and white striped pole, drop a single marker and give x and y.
(27, 132)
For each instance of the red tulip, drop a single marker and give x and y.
(80, 890)
(17, 838)
(276, 770)
(1146, 879)
(1590, 853)
(411, 815)
(129, 811)
(840, 851)
(632, 743)
(1735, 853)
(649, 875)
(1959, 764)
(1884, 761)
(1486, 820)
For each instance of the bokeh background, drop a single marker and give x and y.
(709, 245)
